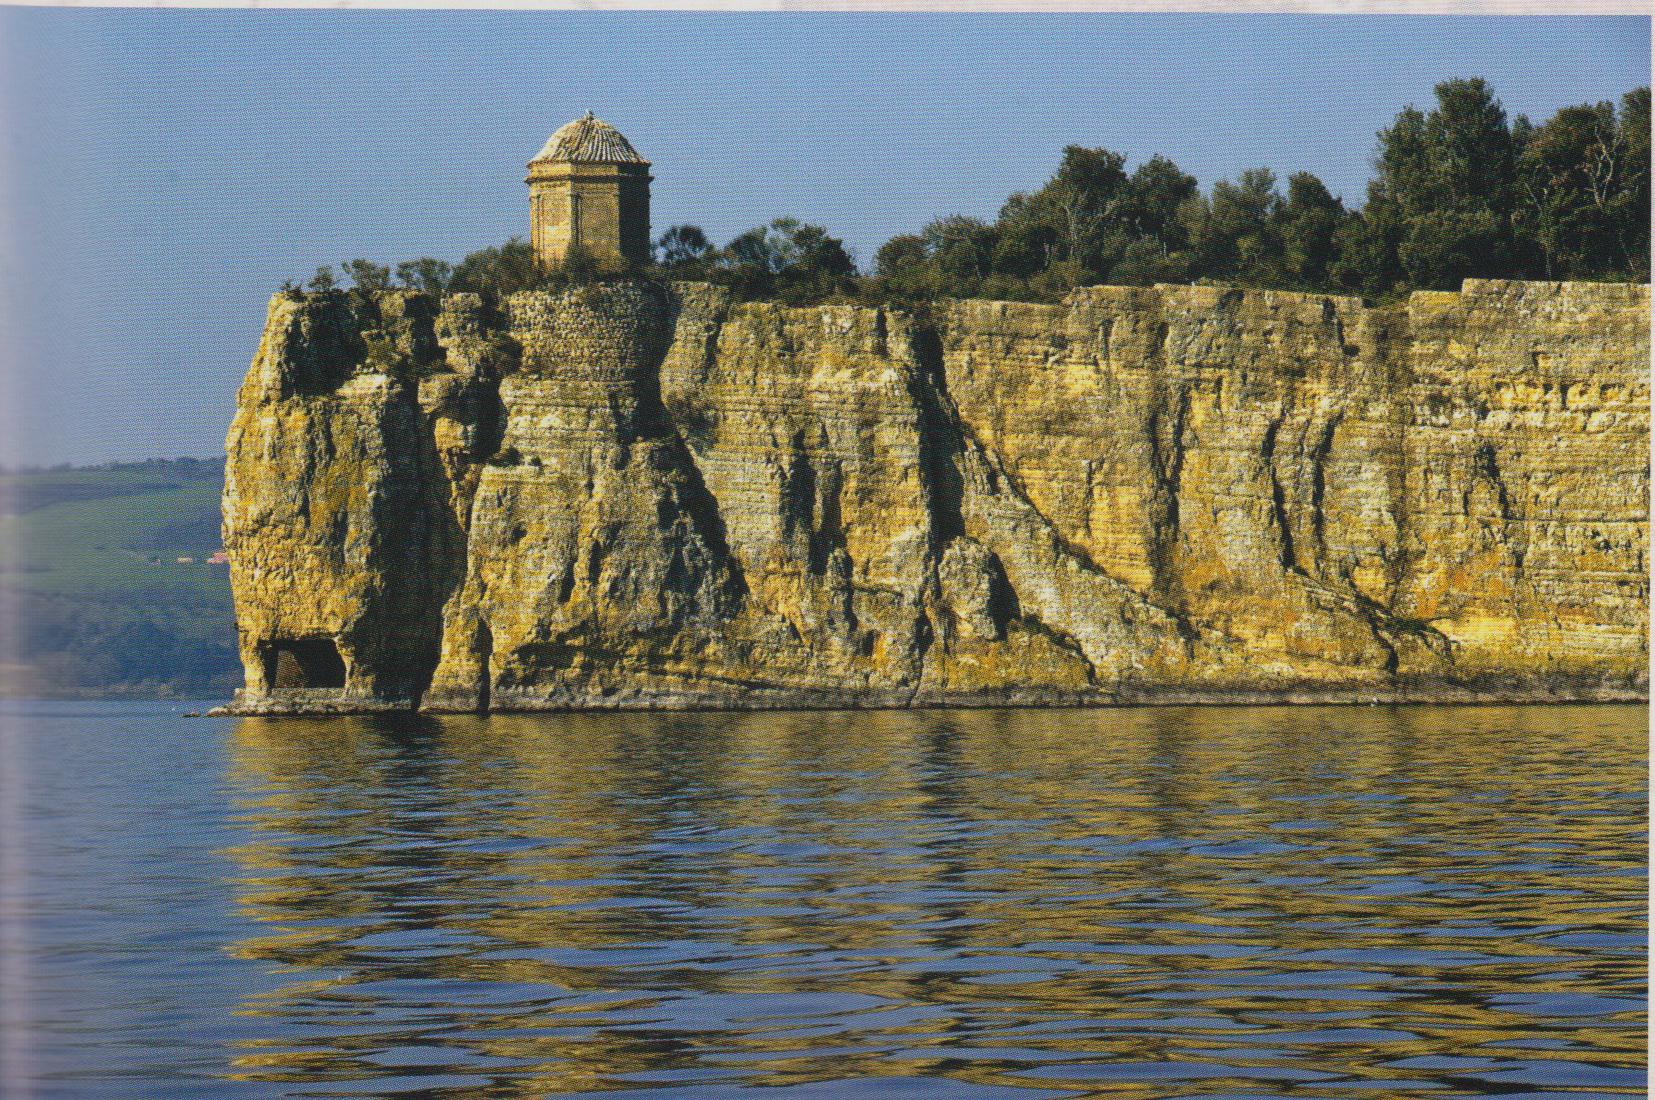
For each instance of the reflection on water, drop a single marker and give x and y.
(1141, 903)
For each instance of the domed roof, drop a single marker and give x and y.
(590, 140)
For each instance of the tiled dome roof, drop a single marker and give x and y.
(591, 140)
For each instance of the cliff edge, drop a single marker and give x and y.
(632, 495)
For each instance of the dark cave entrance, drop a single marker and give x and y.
(485, 652)
(303, 663)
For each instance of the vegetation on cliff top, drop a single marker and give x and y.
(1459, 192)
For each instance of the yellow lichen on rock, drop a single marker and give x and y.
(634, 495)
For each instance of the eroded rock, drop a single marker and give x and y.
(633, 495)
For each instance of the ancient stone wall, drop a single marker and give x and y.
(629, 495)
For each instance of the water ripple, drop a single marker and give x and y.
(1399, 902)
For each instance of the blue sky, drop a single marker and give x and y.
(162, 172)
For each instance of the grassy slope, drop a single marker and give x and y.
(91, 589)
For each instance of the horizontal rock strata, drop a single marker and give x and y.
(629, 495)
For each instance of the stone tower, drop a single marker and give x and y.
(589, 188)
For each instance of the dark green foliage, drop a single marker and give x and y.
(899, 255)
(578, 266)
(815, 265)
(367, 276)
(494, 272)
(1440, 207)
(1154, 195)
(1235, 235)
(1582, 188)
(1631, 203)
(1309, 224)
(79, 646)
(1093, 223)
(425, 274)
(962, 249)
(1071, 230)
(787, 260)
(954, 256)
(682, 248)
(497, 271)
(1458, 192)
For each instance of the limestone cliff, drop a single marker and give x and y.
(634, 495)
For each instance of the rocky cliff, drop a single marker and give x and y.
(629, 495)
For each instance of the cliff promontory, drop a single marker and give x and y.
(630, 495)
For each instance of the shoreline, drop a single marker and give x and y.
(1574, 691)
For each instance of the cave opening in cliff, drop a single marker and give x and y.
(303, 663)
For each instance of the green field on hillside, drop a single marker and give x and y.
(93, 588)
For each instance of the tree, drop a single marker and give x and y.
(1457, 192)
(1307, 226)
(1072, 229)
(763, 249)
(960, 249)
(425, 274)
(367, 276)
(1583, 189)
(1146, 261)
(1369, 260)
(497, 271)
(682, 246)
(1234, 234)
(817, 266)
(1470, 147)
(1149, 208)
(788, 258)
(901, 256)
(1440, 206)
(1555, 184)
(1631, 215)
(903, 272)
(1086, 197)
(1443, 248)
(1025, 239)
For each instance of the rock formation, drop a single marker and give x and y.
(632, 495)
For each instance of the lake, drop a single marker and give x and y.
(1239, 902)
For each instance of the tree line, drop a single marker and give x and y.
(1459, 191)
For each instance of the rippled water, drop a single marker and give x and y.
(1327, 902)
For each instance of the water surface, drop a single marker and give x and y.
(1295, 902)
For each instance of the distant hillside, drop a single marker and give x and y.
(95, 592)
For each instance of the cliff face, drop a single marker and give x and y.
(631, 496)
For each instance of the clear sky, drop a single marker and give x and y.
(162, 172)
